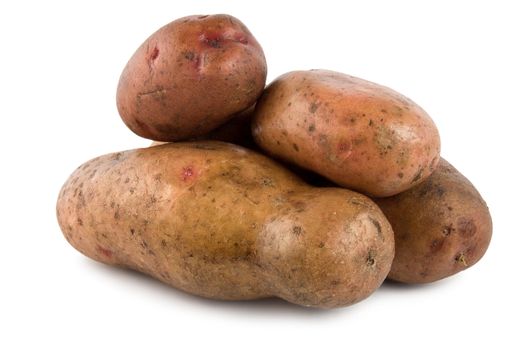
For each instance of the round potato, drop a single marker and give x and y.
(441, 226)
(223, 222)
(191, 76)
(360, 135)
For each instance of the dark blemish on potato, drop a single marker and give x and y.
(163, 243)
(383, 111)
(449, 208)
(447, 230)
(187, 173)
(79, 222)
(267, 182)
(461, 258)
(299, 206)
(370, 121)
(312, 127)
(289, 104)
(106, 252)
(466, 227)
(144, 244)
(117, 215)
(296, 148)
(154, 54)
(189, 55)
(297, 230)
(212, 41)
(343, 146)
(335, 282)
(313, 107)
(321, 245)
(116, 156)
(400, 175)
(377, 225)
(436, 245)
(418, 175)
(150, 252)
(127, 180)
(132, 231)
(82, 201)
(370, 258)
(157, 177)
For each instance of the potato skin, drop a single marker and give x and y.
(441, 226)
(191, 76)
(360, 135)
(223, 222)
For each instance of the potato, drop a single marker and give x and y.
(441, 226)
(191, 76)
(223, 222)
(360, 135)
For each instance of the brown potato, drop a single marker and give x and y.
(360, 135)
(441, 226)
(191, 76)
(223, 222)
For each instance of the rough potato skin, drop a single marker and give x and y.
(223, 222)
(189, 77)
(441, 226)
(361, 135)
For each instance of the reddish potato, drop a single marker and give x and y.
(441, 226)
(360, 135)
(191, 76)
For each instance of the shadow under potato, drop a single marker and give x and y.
(271, 305)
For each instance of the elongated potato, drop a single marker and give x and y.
(441, 226)
(191, 76)
(224, 222)
(360, 135)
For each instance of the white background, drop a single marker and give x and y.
(464, 62)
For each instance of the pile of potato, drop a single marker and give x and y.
(312, 189)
